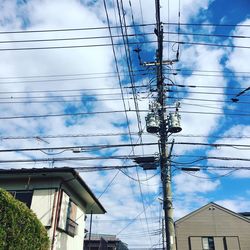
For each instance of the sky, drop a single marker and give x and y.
(58, 93)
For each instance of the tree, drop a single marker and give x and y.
(19, 227)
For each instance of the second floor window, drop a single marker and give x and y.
(71, 225)
(208, 243)
(23, 196)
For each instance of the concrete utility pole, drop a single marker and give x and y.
(164, 161)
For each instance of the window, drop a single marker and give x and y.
(208, 243)
(23, 196)
(71, 225)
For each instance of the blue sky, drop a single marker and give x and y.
(84, 79)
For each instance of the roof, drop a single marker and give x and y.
(245, 213)
(67, 174)
(240, 216)
(97, 237)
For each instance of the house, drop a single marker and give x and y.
(213, 227)
(59, 197)
(103, 242)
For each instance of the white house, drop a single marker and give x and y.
(59, 197)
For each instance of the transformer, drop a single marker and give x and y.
(174, 123)
(147, 162)
(152, 123)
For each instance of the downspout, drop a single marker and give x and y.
(56, 215)
(53, 209)
(90, 228)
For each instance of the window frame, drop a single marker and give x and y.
(71, 225)
(209, 243)
(15, 193)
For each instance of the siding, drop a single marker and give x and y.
(42, 204)
(215, 222)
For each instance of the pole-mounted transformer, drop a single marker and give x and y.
(174, 120)
(153, 119)
(174, 123)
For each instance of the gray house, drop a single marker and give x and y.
(213, 227)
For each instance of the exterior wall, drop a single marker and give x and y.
(43, 205)
(215, 222)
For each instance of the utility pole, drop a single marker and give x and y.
(164, 162)
(158, 122)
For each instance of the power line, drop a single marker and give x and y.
(65, 101)
(206, 35)
(201, 158)
(141, 71)
(208, 100)
(115, 27)
(38, 137)
(208, 44)
(112, 112)
(70, 29)
(79, 147)
(70, 38)
(61, 115)
(213, 113)
(215, 167)
(121, 44)
(63, 159)
(207, 24)
(203, 93)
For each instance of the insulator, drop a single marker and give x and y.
(152, 123)
(174, 123)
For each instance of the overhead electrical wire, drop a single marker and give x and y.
(59, 96)
(121, 13)
(121, 44)
(202, 158)
(65, 79)
(112, 112)
(70, 38)
(63, 159)
(59, 136)
(211, 178)
(232, 73)
(215, 167)
(80, 148)
(213, 113)
(64, 136)
(117, 70)
(70, 29)
(67, 114)
(118, 36)
(207, 24)
(141, 71)
(203, 93)
(65, 101)
(208, 100)
(200, 86)
(135, 218)
(207, 44)
(115, 27)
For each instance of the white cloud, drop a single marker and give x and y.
(194, 183)
(236, 205)
(238, 58)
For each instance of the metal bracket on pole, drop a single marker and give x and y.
(164, 62)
